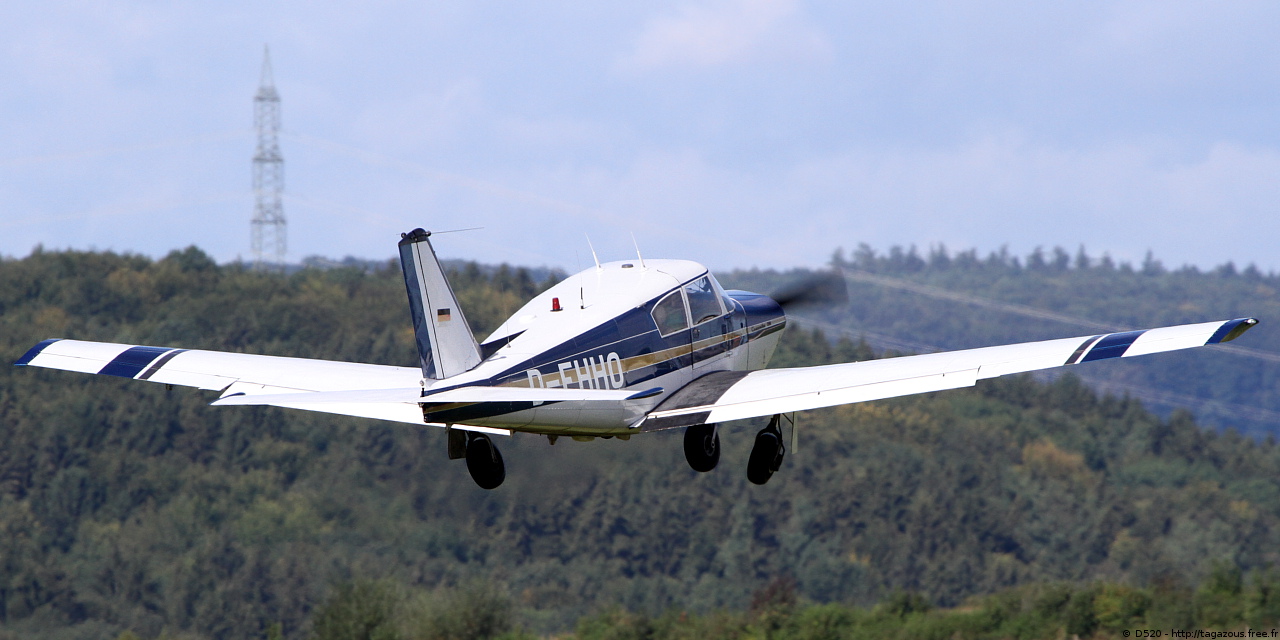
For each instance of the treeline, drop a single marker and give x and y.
(386, 610)
(126, 507)
(938, 258)
(1038, 611)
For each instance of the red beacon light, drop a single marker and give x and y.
(555, 304)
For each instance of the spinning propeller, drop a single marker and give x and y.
(824, 289)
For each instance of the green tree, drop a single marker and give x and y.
(359, 610)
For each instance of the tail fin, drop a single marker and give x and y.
(446, 346)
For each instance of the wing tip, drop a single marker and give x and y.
(33, 352)
(1232, 329)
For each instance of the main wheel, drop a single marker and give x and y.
(702, 447)
(766, 456)
(485, 462)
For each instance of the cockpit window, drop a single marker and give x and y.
(669, 314)
(704, 304)
(724, 297)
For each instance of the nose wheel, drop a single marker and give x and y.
(702, 447)
(766, 455)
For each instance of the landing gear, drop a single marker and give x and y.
(702, 447)
(483, 459)
(767, 454)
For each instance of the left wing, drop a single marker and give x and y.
(345, 388)
(235, 373)
(728, 395)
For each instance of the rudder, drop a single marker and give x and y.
(446, 346)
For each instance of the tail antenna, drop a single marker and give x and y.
(637, 244)
(593, 253)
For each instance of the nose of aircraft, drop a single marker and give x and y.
(759, 307)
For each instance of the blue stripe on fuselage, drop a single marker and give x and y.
(629, 335)
(633, 334)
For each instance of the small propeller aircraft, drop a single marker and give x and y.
(619, 349)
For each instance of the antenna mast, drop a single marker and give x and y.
(268, 224)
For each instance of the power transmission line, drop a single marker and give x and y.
(71, 156)
(855, 275)
(1146, 394)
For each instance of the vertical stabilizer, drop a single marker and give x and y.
(446, 346)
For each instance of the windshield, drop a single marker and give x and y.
(704, 304)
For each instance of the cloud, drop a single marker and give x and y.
(1002, 189)
(401, 123)
(736, 132)
(727, 32)
(1123, 197)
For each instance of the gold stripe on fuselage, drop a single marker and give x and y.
(643, 360)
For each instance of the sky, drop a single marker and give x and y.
(739, 133)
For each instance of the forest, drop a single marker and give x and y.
(1023, 507)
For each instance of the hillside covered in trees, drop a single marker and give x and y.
(124, 506)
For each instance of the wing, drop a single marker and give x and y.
(345, 388)
(726, 395)
(236, 373)
(473, 394)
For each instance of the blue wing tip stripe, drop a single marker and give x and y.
(1232, 329)
(134, 359)
(33, 352)
(1112, 345)
(1075, 356)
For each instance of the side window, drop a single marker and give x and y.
(669, 314)
(704, 304)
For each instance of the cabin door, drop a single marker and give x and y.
(711, 326)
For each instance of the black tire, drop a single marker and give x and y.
(765, 457)
(484, 462)
(702, 447)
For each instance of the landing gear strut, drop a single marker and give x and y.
(483, 459)
(702, 447)
(766, 455)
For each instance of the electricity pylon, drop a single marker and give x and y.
(268, 224)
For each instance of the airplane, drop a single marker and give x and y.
(619, 349)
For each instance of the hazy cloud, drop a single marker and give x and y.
(727, 32)
(736, 132)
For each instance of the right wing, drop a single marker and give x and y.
(732, 395)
